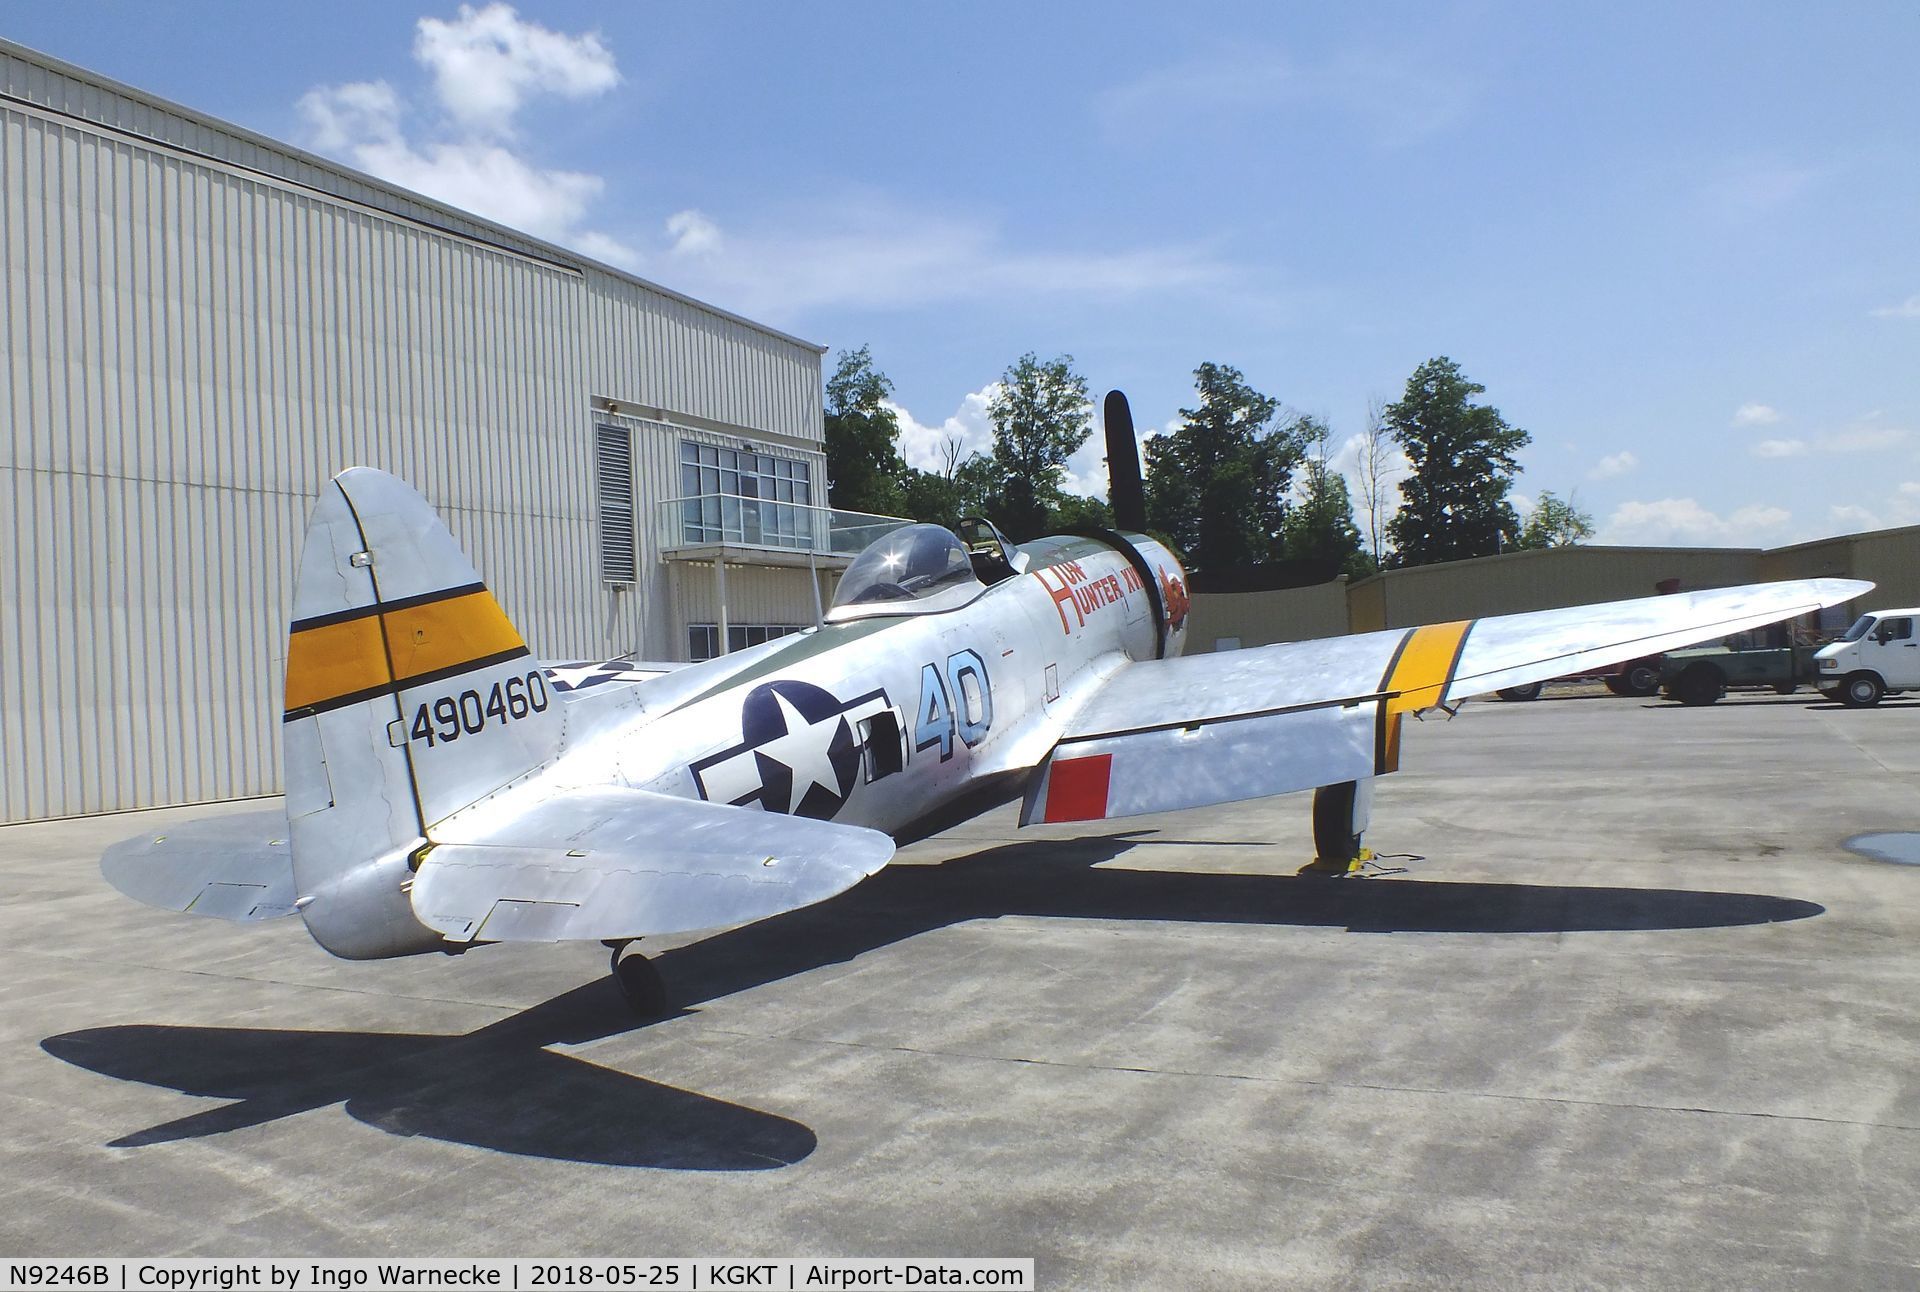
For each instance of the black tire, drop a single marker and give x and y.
(1861, 690)
(1334, 838)
(1529, 692)
(1640, 679)
(640, 983)
(1701, 684)
(1617, 685)
(1785, 688)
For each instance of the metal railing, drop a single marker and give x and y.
(702, 520)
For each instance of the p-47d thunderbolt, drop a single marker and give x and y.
(444, 791)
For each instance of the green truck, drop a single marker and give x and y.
(1777, 657)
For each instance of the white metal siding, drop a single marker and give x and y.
(195, 344)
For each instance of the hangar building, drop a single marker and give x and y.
(202, 325)
(1547, 578)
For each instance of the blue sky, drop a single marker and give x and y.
(1676, 243)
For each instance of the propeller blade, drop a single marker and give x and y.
(1124, 489)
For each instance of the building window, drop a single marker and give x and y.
(703, 640)
(613, 492)
(742, 496)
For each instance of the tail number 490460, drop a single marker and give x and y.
(451, 716)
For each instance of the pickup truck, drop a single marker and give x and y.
(1879, 655)
(1635, 677)
(1765, 657)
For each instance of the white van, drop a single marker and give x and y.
(1879, 655)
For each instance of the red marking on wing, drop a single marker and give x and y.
(1077, 788)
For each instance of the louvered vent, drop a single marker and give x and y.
(613, 489)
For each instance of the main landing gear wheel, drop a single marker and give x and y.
(639, 982)
(1340, 815)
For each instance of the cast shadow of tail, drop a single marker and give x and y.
(503, 1088)
(497, 1088)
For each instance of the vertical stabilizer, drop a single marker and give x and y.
(409, 696)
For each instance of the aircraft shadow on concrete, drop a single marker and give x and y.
(501, 1088)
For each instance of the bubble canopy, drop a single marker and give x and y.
(914, 570)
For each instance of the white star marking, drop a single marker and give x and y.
(804, 749)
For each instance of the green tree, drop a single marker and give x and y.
(1455, 498)
(964, 487)
(1554, 523)
(1041, 414)
(1218, 483)
(1075, 512)
(864, 466)
(1320, 523)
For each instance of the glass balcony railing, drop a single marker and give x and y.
(709, 519)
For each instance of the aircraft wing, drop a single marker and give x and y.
(1186, 732)
(619, 863)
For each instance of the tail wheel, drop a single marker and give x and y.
(1861, 690)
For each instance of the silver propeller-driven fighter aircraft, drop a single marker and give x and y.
(444, 790)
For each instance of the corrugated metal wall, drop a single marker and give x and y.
(1259, 618)
(1890, 557)
(195, 343)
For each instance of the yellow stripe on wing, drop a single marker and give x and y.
(1417, 679)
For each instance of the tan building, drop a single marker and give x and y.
(1544, 579)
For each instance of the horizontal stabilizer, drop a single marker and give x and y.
(229, 867)
(606, 864)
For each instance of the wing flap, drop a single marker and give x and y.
(1164, 768)
(610, 863)
(228, 867)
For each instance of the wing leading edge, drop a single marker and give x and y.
(1203, 729)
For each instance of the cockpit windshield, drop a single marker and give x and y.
(914, 569)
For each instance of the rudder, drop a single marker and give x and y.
(410, 695)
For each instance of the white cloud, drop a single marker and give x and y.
(1911, 488)
(1614, 464)
(1399, 99)
(693, 234)
(877, 255)
(1753, 187)
(1755, 415)
(1684, 522)
(488, 62)
(1849, 518)
(925, 446)
(485, 65)
(1907, 309)
(342, 116)
(1862, 439)
(1394, 467)
(1855, 439)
